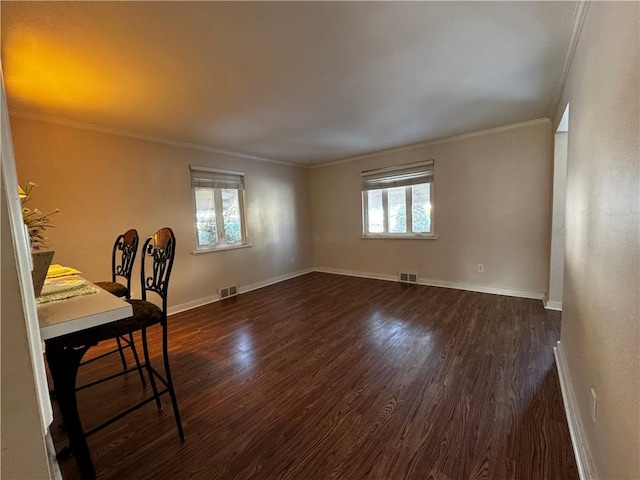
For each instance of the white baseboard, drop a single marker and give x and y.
(353, 273)
(54, 467)
(183, 307)
(271, 281)
(377, 276)
(549, 305)
(243, 289)
(439, 283)
(578, 438)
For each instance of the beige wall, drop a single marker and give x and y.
(601, 318)
(105, 184)
(491, 204)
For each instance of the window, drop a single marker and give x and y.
(218, 197)
(397, 201)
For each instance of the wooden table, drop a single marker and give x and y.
(66, 316)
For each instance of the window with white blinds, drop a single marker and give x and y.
(398, 201)
(218, 197)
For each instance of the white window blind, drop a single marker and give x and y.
(214, 178)
(398, 176)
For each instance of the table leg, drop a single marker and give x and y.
(63, 365)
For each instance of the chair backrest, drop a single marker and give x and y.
(158, 253)
(123, 256)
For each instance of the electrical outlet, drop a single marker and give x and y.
(594, 405)
(480, 268)
(293, 260)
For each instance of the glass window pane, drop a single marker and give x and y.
(206, 216)
(397, 202)
(231, 215)
(375, 212)
(421, 210)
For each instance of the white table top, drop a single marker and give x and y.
(79, 313)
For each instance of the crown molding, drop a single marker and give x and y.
(194, 146)
(454, 138)
(578, 21)
(147, 138)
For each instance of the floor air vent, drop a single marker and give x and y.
(408, 277)
(227, 292)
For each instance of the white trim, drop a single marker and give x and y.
(248, 288)
(578, 437)
(274, 280)
(221, 249)
(196, 168)
(24, 262)
(54, 466)
(563, 126)
(552, 305)
(578, 20)
(183, 307)
(509, 292)
(397, 168)
(354, 273)
(398, 236)
(426, 143)
(148, 138)
(203, 148)
(439, 283)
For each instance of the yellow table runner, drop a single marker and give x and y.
(56, 270)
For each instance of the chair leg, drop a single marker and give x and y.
(147, 362)
(137, 359)
(172, 393)
(121, 352)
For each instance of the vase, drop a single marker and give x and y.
(41, 262)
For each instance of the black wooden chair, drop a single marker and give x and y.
(158, 254)
(123, 257)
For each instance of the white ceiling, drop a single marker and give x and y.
(301, 82)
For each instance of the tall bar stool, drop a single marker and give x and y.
(158, 254)
(123, 257)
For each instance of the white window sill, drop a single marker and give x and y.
(220, 249)
(399, 237)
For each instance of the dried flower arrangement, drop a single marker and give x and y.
(36, 221)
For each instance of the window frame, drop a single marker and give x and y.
(385, 174)
(216, 187)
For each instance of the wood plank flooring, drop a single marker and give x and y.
(335, 377)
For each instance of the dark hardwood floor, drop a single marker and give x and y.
(334, 377)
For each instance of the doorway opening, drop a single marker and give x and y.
(553, 300)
